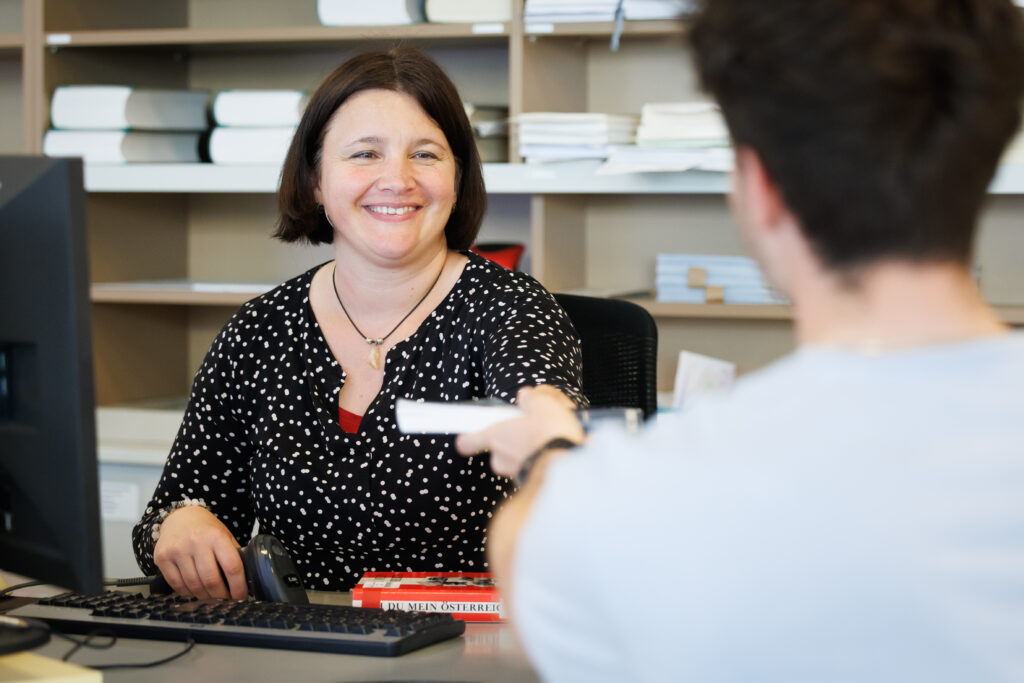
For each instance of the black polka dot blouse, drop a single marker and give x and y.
(260, 441)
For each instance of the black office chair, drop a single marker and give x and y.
(620, 351)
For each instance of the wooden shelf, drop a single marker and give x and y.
(197, 178)
(269, 35)
(1012, 315)
(177, 292)
(663, 310)
(605, 29)
(563, 178)
(568, 178)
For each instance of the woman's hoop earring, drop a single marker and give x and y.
(323, 210)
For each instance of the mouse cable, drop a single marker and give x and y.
(120, 583)
(87, 642)
(7, 592)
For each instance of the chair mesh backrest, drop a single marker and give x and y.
(620, 351)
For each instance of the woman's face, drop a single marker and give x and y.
(387, 178)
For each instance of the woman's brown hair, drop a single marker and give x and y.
(401, 69)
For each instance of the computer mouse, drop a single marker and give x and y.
(270, 574)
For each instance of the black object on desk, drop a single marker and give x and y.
(21, 634)
(270, 573)
(339, 629)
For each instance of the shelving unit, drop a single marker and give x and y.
(163, 236)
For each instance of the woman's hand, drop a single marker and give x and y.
(194, 549)
(548, 413)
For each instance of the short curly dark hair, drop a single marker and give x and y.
(881, 121)
(401, 69)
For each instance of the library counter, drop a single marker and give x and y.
(485, 653)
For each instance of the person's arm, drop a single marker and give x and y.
(544, 431)
(503, 534)
(200, 512)
(531, 342)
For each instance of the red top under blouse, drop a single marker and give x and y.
(349, 422)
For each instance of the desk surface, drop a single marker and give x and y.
(486, 652)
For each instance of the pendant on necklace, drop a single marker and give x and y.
(373, 360)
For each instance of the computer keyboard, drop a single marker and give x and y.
(324, 628)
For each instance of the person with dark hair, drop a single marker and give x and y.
(291, 422)
(853, 511)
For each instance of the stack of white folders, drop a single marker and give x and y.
(458, 417)
(674, 136)
(119, 124)
(563, 136)
(254, 126)
(558, 11)
(641, 10)
(468, 11)
(375, 13)
(564, 11)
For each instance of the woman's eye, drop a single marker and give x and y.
(424, 155)
(363, 155)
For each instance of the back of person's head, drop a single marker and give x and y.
(880, 121)
(401, 69)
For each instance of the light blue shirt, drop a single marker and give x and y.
(839, 517)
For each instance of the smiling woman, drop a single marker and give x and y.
(291, 422)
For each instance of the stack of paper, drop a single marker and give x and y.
(698, 374)
(468, 11)
(363, 13)
(556, 11)
(675, 136)
(703, 278)
(119, 124)
(634, 159)
(561, 136)
(254, 126)
(639, 10)
(681, 124)
(490, 130)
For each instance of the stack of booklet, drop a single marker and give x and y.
(254, 126)
(675, 136)
(559, 11)
(468, 11)
(704, 278)
(375, 13)
(566, 136)
(640, 10)
(119, 124)
(490, 130)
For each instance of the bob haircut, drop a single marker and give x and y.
(401, 69)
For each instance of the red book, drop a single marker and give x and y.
(470, 596)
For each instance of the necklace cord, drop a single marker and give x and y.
(379, 341)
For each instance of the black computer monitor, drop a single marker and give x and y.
(49, 495)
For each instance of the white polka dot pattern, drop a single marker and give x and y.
(260, 441)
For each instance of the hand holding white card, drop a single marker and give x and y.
(458, 417)
(421, 417)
